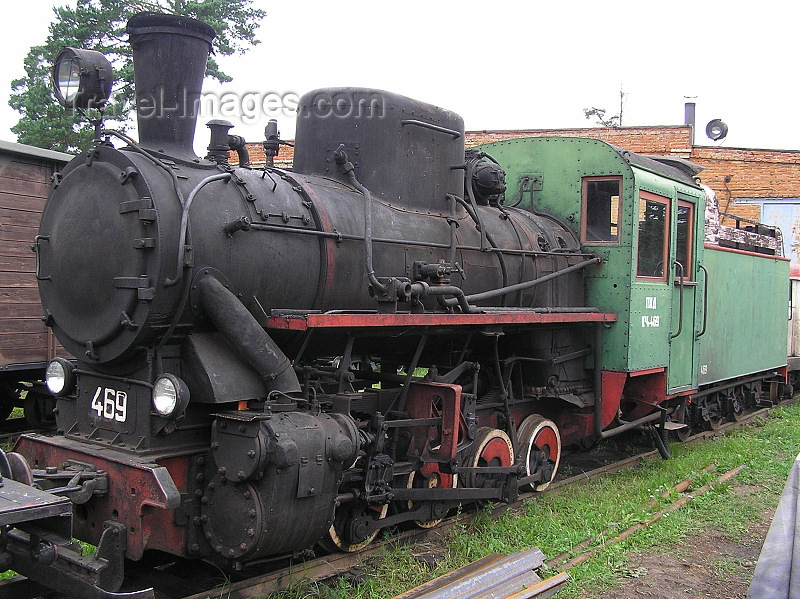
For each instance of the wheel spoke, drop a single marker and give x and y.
(338, 534)
(539, 448)
(433, 481)
(491, 447)
(713, 411)
(735, 404)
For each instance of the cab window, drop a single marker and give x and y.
(651, 262)
(600, 210)
(685, 238)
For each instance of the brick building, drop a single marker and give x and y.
(761, 185)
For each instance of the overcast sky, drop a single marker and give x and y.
(508, 65)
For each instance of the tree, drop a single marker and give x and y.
(600, 115)
(100, 25)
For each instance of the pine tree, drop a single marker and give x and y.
(100, 25)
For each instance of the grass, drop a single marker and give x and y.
(558, 520)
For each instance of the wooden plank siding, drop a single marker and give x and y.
(24, 187)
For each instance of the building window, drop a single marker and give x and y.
(600, 210)
(685, 239)
(651, 263)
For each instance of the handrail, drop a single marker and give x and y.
(680, 302)
(705, 301)
(432, 127)
(35, 248)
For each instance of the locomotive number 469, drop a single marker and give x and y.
(110, 404)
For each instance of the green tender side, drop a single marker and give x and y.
(746, 315)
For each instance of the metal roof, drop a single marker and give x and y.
(25, 150)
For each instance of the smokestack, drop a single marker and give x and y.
(169, 62)
(689, 116)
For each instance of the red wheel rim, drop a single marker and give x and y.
(495, 453)
(547, 441)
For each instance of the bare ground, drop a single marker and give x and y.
(710, 565)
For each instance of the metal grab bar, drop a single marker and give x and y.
(680, 302)
(35, 248)
(432, 127)
(705, 301)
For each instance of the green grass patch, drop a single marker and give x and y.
(557, 520)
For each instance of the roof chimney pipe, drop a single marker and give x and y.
(169, 62)
(689, 117)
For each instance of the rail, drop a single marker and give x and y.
(493, 577)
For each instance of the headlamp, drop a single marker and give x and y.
(82, 78)
(60, 377)
(170, 396)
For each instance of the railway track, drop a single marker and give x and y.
(183, 579)
(12, 428)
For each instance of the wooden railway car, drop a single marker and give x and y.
(26, 344)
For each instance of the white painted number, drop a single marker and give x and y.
(110, 404)
(651, 321)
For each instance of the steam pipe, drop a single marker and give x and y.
(475, 297)
(415, 242)
(185, 223)
(598, 382)
(475, 216)
(340, 156)
(239, 145)
(422, 289)
(247, 337)
(453, 226)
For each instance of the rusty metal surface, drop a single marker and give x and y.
(302, 322)
(142, 493)
(20, 503)
(493, 577)
(421, 403)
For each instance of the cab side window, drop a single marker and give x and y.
(685, 238)
(600, 210)
(651, 262)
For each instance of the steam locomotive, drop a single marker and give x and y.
(265, 359)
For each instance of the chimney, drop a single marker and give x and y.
(169, 62)
(689, 116)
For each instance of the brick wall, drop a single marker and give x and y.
(731, 172)
(675, 141)
(258, 159)
(742, 173)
